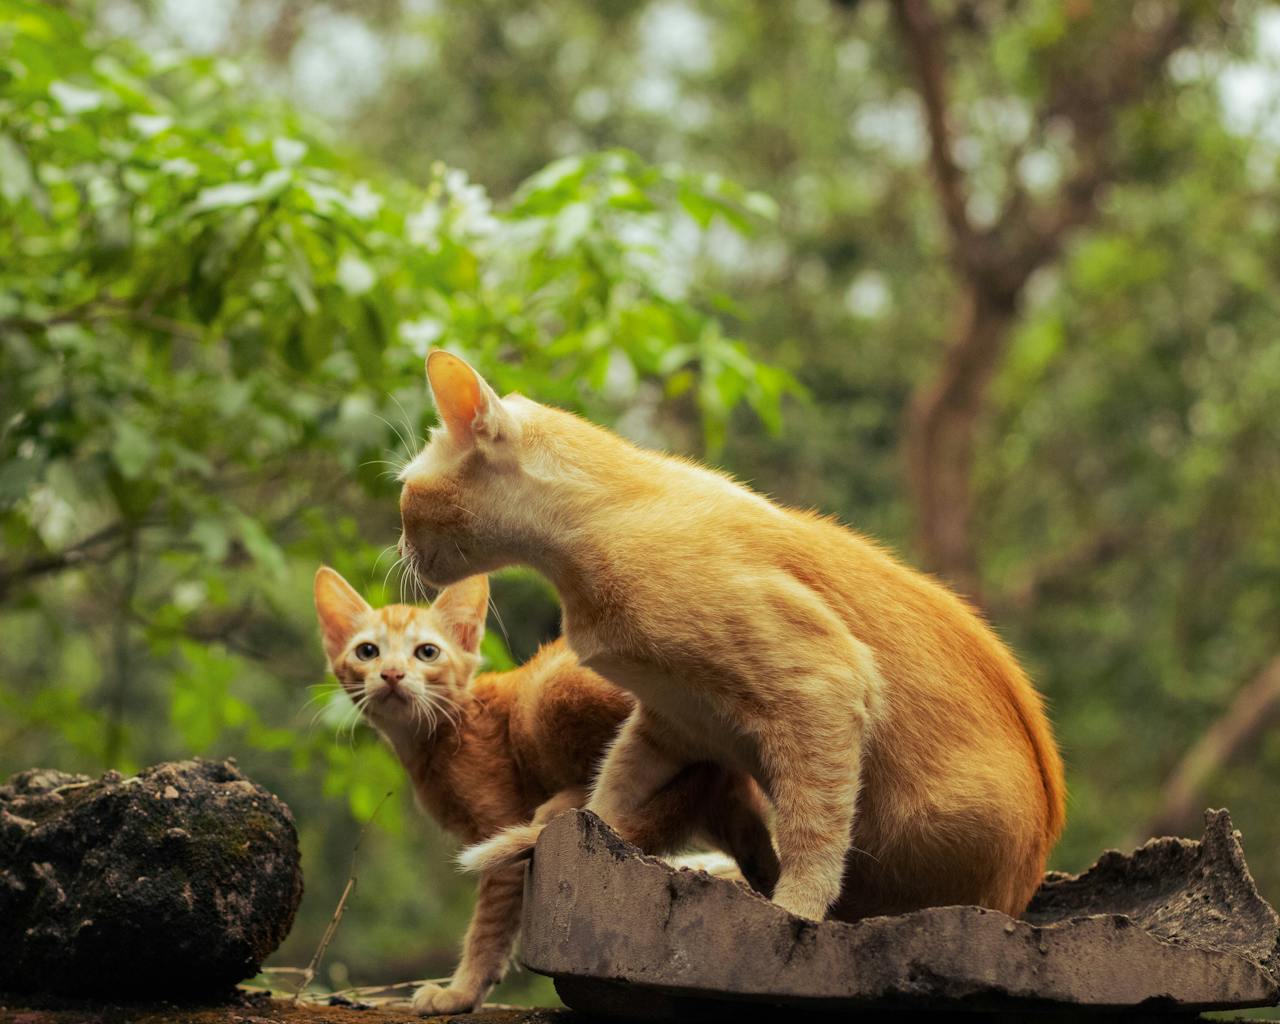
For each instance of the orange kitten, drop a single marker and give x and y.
(907, 757)
(501, 749)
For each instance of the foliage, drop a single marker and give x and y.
(213, 325)
(211, 311)
(208, 319)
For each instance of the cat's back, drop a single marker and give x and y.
(561, 715)
(757, 571)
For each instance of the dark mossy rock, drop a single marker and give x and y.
(178, 881)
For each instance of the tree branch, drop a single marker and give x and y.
(993, 265)
(1251, 712)
(1088, 104)
(83, 552)
(922, 41)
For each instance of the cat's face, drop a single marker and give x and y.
(404, 667)
(465, 489)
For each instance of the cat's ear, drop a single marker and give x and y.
(469, 408)
(338, 607)
(461, 607)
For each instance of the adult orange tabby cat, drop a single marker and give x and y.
(907, 756)
(499, 749)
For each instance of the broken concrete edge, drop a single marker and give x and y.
(1217, 858)
(594, 921)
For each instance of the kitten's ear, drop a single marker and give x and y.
(339, 608)
(469, 408)
(462, 607)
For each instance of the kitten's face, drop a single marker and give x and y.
(404, 667)
(463, 490)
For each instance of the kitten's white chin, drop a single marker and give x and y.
(386, 694)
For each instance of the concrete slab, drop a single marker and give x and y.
(1176, 926)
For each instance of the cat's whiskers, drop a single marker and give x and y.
(408, 579)
(399, 436)
(349, 717)
(359, 708)
(446, 705)
(422, 708)
(501, 625)
(415, 577)
(397, 564)
(408, 425)
(397, 467)
(389, 549)
(321, 696)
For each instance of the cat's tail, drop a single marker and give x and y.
(510, 846)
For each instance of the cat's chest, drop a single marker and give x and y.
(705, 726)
(474, 790)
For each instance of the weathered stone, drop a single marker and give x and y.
(1177, 924)
(177, 881)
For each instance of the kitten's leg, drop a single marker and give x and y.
(486, 950)
(667, 821)
(813, 782)
(723, 807)
(735, 820)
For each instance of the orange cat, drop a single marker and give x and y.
(500, 749)
(907, 757)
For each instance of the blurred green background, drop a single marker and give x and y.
(996, 281)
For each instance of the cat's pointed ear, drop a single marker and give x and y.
(469, 408)
(338, 607)
(461, 607)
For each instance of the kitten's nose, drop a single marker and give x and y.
(393, 675)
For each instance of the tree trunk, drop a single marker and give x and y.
(943, 419)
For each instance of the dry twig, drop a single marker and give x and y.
(309, 973)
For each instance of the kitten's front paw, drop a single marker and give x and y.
(431, 999)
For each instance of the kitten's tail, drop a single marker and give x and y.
(510, 846)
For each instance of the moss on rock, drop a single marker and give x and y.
(179, 880)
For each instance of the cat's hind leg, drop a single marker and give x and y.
(629, 795)
(629, 791)
(716, 805)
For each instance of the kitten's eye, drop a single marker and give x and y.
(427, 652)
(366, 651)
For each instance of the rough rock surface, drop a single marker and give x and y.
(177, 881)
(1178, 925)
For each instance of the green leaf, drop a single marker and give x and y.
(236, 194)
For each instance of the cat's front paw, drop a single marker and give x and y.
(431, 999)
